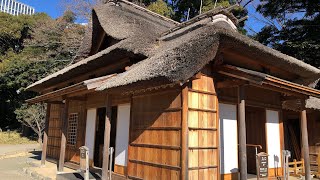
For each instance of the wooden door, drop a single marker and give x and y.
(256, 134)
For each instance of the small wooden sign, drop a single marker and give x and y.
(262, 165)
(84, 153)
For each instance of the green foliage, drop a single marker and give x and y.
(34, 46)
(282, 8)
(299, 36)
(182, 7)
(13, 30)
(161, 8)
(193, 7)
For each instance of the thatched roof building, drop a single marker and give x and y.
(167, 49)
(171, 92)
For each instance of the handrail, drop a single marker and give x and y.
(254, 145)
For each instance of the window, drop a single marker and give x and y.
(72, 128)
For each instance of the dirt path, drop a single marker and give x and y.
(11, 149)
(11, 168)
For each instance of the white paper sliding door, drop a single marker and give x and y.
(90, 131)
(273, 138)
(228, 138)
(122, 137)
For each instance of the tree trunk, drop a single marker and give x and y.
(40, 138)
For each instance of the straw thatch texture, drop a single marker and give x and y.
(170, 50)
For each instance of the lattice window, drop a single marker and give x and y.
(72, 128)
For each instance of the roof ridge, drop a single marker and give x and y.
(148, 11)
(215, 11)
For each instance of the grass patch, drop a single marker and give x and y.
(14, 137)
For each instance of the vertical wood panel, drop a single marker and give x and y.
(184, 134)
(203, 130)
(54, 131)
(155, 135)
(63, 136)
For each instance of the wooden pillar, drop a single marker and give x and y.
(45, 137)
(184, 135)
(305, 144)
(242, 133)
(107, 130)
(63, 136)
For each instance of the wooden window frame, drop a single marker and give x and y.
(72, 138)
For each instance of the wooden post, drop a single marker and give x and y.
(107, 130)
(242, 133)
(295, 172)
(45, 137)
(184, 135)
(305, 144)
(63, 136)
(318, 163)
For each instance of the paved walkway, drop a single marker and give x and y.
(10, 149)
(11, 168)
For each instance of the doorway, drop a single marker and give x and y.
(256, 134)
(119, 137)
(292, 131)
(113, 132)
(99, 134)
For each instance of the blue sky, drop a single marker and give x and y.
(54, 9)
(51, 7)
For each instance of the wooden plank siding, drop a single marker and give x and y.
(203, 129)
(72, 151)
(155, 135)
(54, 131)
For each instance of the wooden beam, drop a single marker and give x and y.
(230, 83)
(77, 98)
(107, 130)
(63, 136)
(184, 134)
(305, 144)
(165, 166)
(242, 133)
(45, 137)
(54, 102)
(196, 76)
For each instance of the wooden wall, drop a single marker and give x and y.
(313, 119)
(155, 135)
(55, 127)
(54, 131)
(73, 152)
(203, 142)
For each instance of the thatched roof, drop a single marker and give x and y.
(313, 103)
(183, 53)
(135, 27)
(297, 105)
(172, 51)
(122, 21)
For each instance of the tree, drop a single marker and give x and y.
(13, 31)
(81, 8)
(191, 8)
(33, 116)
(295, 30)
(161, 8)
(46, 46)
